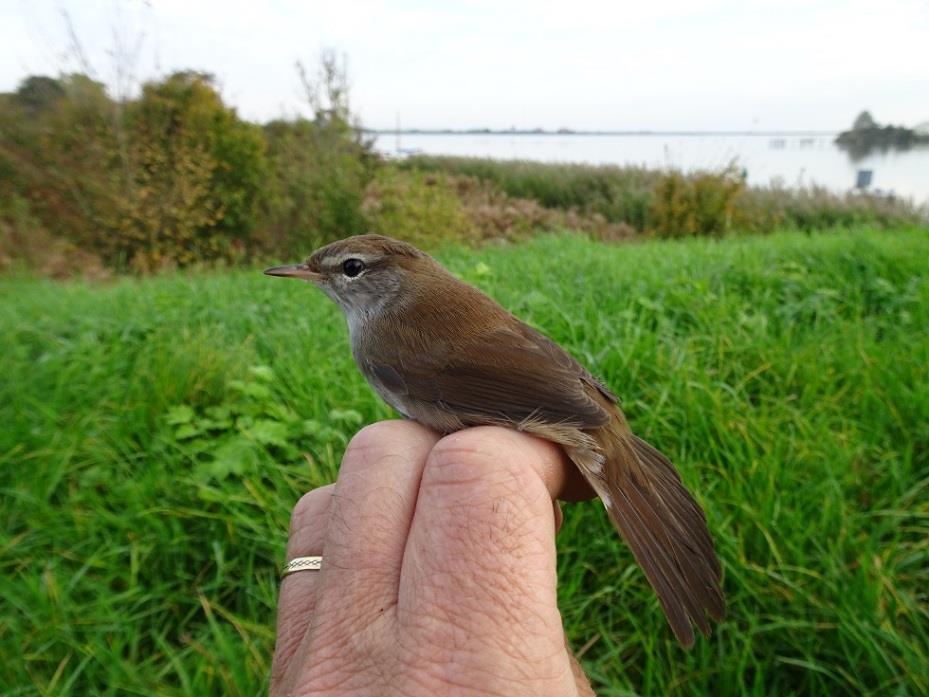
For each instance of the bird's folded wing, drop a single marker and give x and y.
(505, 375)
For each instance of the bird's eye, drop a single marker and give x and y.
(352, 267)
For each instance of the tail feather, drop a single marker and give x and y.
(665, 528)
(679, 499)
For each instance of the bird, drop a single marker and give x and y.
(443, 353)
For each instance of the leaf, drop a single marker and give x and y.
(208, 493)
(214, 425)
(199, 445)
(650, 304)
(256, 390)
(262, 372)
(235, 456)
(282, 412)
(269, 432)
(311, 427)
(187, 431)
(328, 434)
(482, 270)
(180, 414)
(347, 416)
(218, 413)
(250, 389)
(535, 299)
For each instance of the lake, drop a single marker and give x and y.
(789, 159)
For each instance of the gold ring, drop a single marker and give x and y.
(301, 564)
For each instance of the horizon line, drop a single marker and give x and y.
(596, 132)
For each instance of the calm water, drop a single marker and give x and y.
(792, 160)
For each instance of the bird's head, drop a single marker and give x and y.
(363, 273)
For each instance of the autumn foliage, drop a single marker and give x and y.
(169, 178)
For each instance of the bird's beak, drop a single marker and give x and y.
(294, 271)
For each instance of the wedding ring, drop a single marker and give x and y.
(301, 564)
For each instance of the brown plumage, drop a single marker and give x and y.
(443, 353)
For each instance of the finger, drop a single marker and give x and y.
(298, 590)
(372, 506)
(559, 516)
(481, 552)
(581, 682)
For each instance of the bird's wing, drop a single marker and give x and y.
(505, 375)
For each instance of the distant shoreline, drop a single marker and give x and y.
(523, 132)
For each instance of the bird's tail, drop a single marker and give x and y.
(661, 522)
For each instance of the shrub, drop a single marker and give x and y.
(319, 171)
(614, 202)
(172, 177)
(418, 207)
(814, 208)
(194, 179)
(701, 204)
(321, 166)
(26, 245)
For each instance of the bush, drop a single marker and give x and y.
(319, 172)
(194, 179)
(174, 177)
(320, 166)
(421, 208)
(815, 208)
(617, 202)
(427, 208)
(170, 178)
(26, 245)
(702, 204)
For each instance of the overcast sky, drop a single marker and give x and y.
(657, 64)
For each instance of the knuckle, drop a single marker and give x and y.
(487, 493)
(492, 501)
(311, 511)
(382, 442)
(371, 435)
(375, 437)
(481, 458)
(353, 652)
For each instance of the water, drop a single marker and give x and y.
(790, 160)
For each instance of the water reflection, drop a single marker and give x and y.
(795, 160)
(860, 150)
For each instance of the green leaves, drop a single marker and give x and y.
(253, 426)
(180, 415)
(268, 432)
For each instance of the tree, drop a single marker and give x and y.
(38, 93)
(171, 177)
(321, 166)
(864, 122)
(196, 173)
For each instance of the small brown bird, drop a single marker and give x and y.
(441, 352)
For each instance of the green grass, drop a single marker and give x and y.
(153, 435)
(620, 194)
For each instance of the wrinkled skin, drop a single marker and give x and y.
(438, 571)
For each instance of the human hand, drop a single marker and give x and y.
(438, 572)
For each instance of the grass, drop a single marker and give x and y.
(619, 194)
(154, 434)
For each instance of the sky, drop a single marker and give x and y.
(655, 65)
